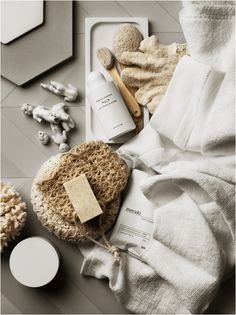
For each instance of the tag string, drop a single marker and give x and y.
(107, 246)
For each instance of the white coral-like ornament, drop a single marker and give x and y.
(13, 215)
(69, 91)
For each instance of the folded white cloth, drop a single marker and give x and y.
(189, 143)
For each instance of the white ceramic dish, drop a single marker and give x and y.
(98, 33)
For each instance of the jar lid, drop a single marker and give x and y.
(34, 262)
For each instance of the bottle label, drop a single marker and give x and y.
(110, 109)
(105, 101)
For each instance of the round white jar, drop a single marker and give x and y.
(34, 262)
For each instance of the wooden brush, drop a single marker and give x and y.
(106, 58)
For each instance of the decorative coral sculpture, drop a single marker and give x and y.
(59, 136)
(13, 215)
(69, 91)
(60, 121)
(40, 113)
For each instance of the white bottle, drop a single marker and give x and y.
(108, 105)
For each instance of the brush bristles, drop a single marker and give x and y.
(106, 57)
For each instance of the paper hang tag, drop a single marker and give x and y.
(82, 198)
(134, 226)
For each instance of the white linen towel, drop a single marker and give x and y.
(189, 143)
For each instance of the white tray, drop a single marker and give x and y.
(98, 33)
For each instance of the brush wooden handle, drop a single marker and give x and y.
(139, 123)
(138, 120)
(130, 101)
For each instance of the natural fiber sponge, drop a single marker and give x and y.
(150, 70)
(13, 215)
(107, 175)
(126, 37)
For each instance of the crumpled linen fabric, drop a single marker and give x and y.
(189, 144)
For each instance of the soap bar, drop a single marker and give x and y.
(82, 198)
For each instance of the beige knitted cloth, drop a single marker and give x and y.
(107, 175)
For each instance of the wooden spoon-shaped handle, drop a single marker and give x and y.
(130, 101)
(138, 120)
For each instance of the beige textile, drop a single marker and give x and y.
(150, 70)
(107, 174)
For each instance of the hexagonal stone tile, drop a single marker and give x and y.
(19, 17)
(41, 49)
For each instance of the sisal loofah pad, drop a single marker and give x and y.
(126, 37)
(107, 175)
(150, 70)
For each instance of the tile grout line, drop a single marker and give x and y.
(52, 299)
(121, 6)
(26, 136)
(158, 3)
(86, 296)
(13, 163)
(11, 303)
(14, 87)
